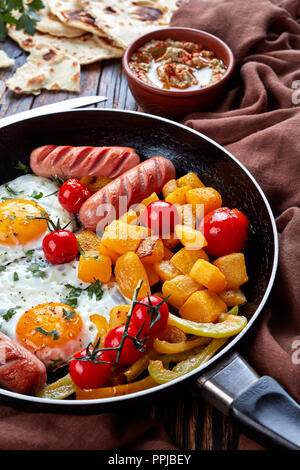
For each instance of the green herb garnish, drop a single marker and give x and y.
(10, 190)
(36, 195)
(29, 253)
(68, 314)
(16, 277)
(74, 292)
(21, 166)
(2, 268)
(19, 13)
(10, 313)
(36, 270)
(47, 333)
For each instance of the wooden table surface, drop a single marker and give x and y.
(191, 423)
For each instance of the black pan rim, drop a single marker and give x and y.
(195, 373)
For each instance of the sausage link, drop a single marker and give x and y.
(136, 184)
(75, 162)
(20, 370)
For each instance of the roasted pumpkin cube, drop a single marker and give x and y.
(203, 306)
(233, 267)
(185, 259)
(153, 197)
(153, 277)
(170, 241)
(192, 239)
(168, 254)
(208, 275)
(166, 270)
(179, 289)
(94, 183)
(118, 316)
(151, 250)
(233, 297)
(129, 270)
(88, 240)
(121, 237)
(187, 215)
(129, 217)
(190, 179)
(169, 187)
(103, 250)
(94, 266)
(208, 198)
(178, 195)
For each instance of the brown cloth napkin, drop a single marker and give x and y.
(259, 122)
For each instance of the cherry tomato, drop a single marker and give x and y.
(90, 373)
(161, 217)
(60, 246)
(72, 195)
(129, 353)
(144, 314)
(225, 230)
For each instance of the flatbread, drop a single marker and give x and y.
(49, 23)
(87, 48)
(46, 68)
(124, 20)
(5, 61)
(71, 13)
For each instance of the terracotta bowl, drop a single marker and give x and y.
(176, 104)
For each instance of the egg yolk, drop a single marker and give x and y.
(18, 225)
(53, 331)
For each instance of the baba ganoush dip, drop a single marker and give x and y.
(177, 65)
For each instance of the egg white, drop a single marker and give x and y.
(31, 281)
(43, 191)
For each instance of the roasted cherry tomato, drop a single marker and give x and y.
(90, 370)
(129, 353)
(161, 217)
(60, 246)
(72, 195)
(225, 230)
(152, 312)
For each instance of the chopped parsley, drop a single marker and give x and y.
(29, 253)
(12, 217)
(16, 277)
(2, 268)
(74, 292)
(10, 190)
(21, 166)
(37, 195)
(68, 314)
(10, 313)
(47, 333)
(36, 270)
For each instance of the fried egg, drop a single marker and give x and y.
(23, 202)
(47, 308)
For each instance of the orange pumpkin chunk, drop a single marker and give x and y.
(185, 259)
(203, 306)
(209, 198)
(129, 270)
(179, 289)
(233, 267)
(93, 266)
(209, 275)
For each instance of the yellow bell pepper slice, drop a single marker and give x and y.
(58, 390)
(118, 390)
(232, 325)
(164, 347)
(140, 365)
(161, 375)
(102, 327)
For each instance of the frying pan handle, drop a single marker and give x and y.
(260, 404)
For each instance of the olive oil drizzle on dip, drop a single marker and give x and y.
(176, 65)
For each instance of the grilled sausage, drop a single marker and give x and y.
(75, 162)
(20, 370)
(136, 184)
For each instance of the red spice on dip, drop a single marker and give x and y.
(176, 65)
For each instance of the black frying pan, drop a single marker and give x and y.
(226, 380)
